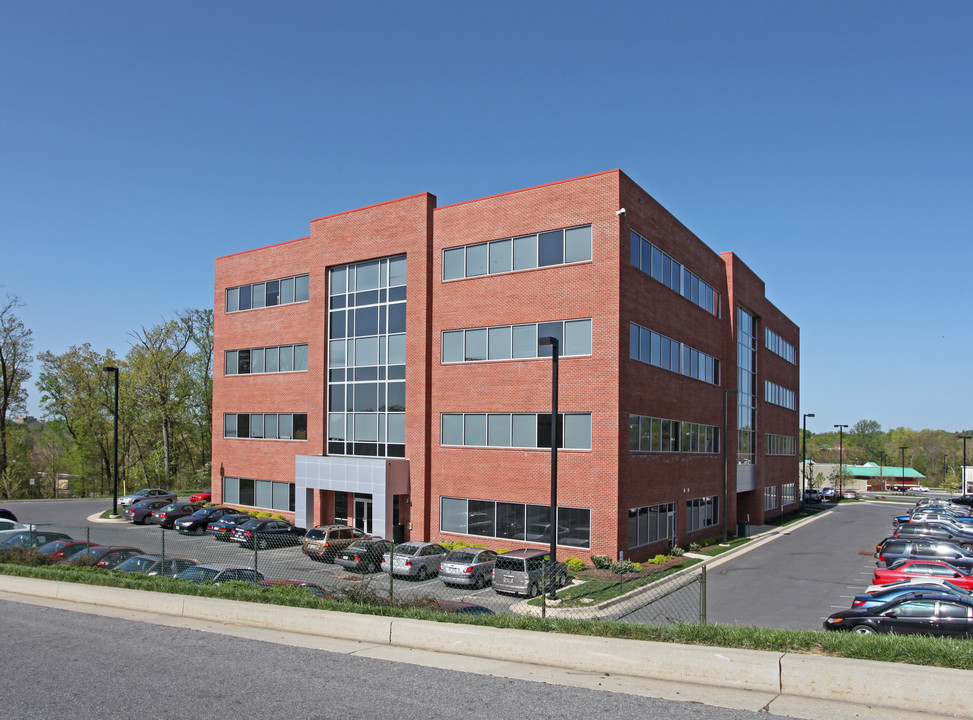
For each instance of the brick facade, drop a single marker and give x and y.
(606, 480)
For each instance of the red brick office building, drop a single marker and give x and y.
(385, 371)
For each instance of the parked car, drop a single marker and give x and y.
(147, 494)
(526, 572)
(218, 574)
(468, 566)
(937, 532)
(323, 542)
(849, 495)
(62, 550)
(947, 616)
(105, 556)
(920, 515)
(963, 500)
(155, 565)
(12, 527)
(904, 569)
(829, 494)
(7, 515)
(204, 496)
(140, 512)
(419, 560)
(894, 549)
(920, 489)
(883, 596)
(196, 523)
(813, 495)
(363, 555)
(310, 587)
(264, 534)
(223, 528)
(166, 516)
(918, 582)
(32, 539)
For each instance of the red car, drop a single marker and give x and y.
(200, 497)
(907, 569)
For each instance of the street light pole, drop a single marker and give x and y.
(841, 460)
(962, 482)
(114, 468)
(902, 449)
(553, 342)
(804, 457)
(881, 469)
(726, 393)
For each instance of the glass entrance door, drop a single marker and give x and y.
(363, 514)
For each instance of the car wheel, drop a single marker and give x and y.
(532, 591)
(423, 574)
(863, 630)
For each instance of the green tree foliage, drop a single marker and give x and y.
(16, 344)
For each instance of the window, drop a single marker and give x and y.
(781, 445)
(651, 524)
(655, 349)
(283, 358)
(657, 264)
(702, 513)
(519, 430)
(778, 395)
(788, 494)
(545, 249)
(514, 521)
(647, 434)
(778, 345)
(267, 294)
(267, 426)
(267, 494)
(505, 342)
(770, 498)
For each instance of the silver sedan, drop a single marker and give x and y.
(415, 559)
(468, 566)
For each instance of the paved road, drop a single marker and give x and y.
(799, 578)
(96, 667)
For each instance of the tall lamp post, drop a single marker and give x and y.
(881, 468)
(553, 342)
(841, 459)
(726, 394)
(804, 458)
(902, 449)
(114, 467)
(962, 481)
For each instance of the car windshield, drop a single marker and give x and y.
(52, 547)
(460, 556)
(201, 513)
(251, 524)
(316, 534)
(136, 565)
(198, 573)
(168, 508)
(407, 549)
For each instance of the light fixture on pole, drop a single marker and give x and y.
(114, 468)
(804, 457)
(902, 449)
(726, 393)
(554, 343)
(841, 459)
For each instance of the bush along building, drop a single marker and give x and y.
(386, 372)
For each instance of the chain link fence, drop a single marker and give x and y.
(656, 595)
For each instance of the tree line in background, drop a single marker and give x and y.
(937, 454)
(164, 410)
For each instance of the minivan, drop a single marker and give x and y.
(522, 572)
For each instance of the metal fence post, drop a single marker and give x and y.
(702, 595)
(163, 531)
(391, 574)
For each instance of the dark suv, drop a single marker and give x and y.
(935, 532)
(892, 549)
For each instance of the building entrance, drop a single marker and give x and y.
(363, 514)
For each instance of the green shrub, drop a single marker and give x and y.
(601, 561)
(574, 564)
(677, 552)
(659, 559)
(693, 547)
(22, 556)
(623, 566)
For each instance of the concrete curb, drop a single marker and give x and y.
(785, 677)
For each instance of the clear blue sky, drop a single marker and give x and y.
(829, 144)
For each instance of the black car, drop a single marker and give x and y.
(948, 616)
(7, 515)
(32, 539)
(920, 548)
(155, 565)
(264, 534)
(364, 555)
(223, 528)
(219, 574)
(140, 512)
(196, 523)
(962, 500)
(166, 516)
(936, 531)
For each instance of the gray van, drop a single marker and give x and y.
(522, 572)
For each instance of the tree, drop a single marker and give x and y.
(867, 436)
(16, 343)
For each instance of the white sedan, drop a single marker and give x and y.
(9, 527)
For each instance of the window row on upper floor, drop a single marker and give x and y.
(506, 342)
(675, 276)
(544, 249)
(648, 434)
(275, 359)
(265, 426)
(781, 444)
(778, 395)
(266, 294)
(653, 348)
(517, 430)
(779, 346)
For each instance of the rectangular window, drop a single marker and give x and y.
(514, 521)
(545, 249)
(267, 294)
(521, 430)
